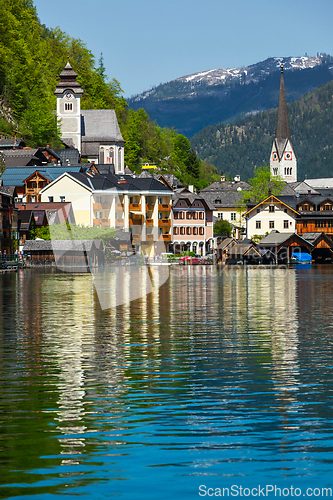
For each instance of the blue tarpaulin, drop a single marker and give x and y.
(301, 257)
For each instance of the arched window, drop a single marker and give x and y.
(68, 106)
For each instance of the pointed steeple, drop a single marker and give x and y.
(283, 161)
(282, 130)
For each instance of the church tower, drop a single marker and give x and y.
(283, 160)
(68, 92)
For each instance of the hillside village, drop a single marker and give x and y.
(86, 183)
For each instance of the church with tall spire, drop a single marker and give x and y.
(283, 161)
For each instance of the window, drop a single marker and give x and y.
(175, 230)
(62, 199)
(271, 208)
(182, 230)
(188, 230)
(176, 215)
(285, 224)
(50, 199)
(258, 224)
(258, 210)
(188, 215)
(195, 215)
(182, 215)
(271, 224)
(68, 106)
(195, 230)
(220, 215)
(233, 216)
(285, 211)
(201, 215)
(305, 224)
(201, 230)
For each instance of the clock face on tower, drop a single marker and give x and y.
(69, 95)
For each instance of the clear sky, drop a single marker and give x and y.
(148, 42)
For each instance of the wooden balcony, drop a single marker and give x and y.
(101, 222)
(32, 190)
(119, 206)
(164, 207)
(135, 222)
(164, 237)
(135, 207)
(149, 207)
(149, 222)
(149, 237)
(136, 237)
(101, 206)
(164, 222)
(119, 222)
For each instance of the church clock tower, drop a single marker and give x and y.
(283, 160)
(68, 92)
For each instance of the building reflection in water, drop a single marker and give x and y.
(98, 329)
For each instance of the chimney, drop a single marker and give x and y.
(222, 178)
(237, 178)
(191, 188)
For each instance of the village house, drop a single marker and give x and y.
(8, 219)
(270, 214)
(30, 180)
(192, 222)
(226, 198)
(139, 205)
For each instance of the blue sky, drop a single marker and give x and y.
(148, 42)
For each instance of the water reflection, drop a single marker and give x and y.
(213, 369)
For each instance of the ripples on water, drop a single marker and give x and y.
(217, 378)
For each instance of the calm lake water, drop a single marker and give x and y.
(219, 378)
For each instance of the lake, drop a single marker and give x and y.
(211, 381)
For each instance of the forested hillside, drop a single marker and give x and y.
(31, 59)
(240, 147)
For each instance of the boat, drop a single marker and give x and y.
(301, 258)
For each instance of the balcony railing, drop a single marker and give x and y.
(164, 237)
(164, 206)
(164, 222)
(101, 222)
(119, 222)
(101, 206)
(135, 206)
(149, 222)
(136, 237)
(135, 222)
(119, 206)
(149, 206)
(149, 237)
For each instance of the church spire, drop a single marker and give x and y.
(283, 160)
(282, 130)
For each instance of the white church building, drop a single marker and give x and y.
(94, 132)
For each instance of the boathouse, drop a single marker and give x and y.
(65, 254)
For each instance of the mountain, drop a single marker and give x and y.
(192, 102)
(236, 149)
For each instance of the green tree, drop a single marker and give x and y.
(262, 184)
(222, 228)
